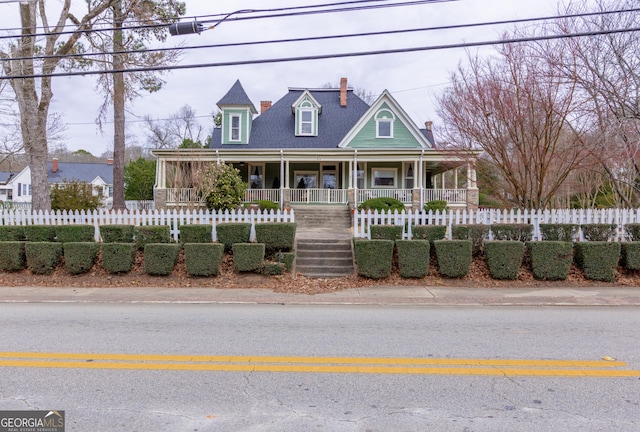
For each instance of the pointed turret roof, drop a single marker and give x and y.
(238, 97)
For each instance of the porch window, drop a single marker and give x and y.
(360, 178)
(329, 177)
(235, 128)
(408, 176)
(384, 124)
(256, 177)
(306, 180)
(384, 177)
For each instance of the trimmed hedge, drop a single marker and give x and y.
(435, 205)
(11, 233)
(512, 232)
(12, 256)
(196, 233)
(248, 256)
(374, 257)
(230, 233)
(632, 232)
(413, 258)
(504, 258)
(43, 257)
(386, 232)
(117, 233)
(39, 233)
(286, 258)
(276, 236)
(152, 234)
(382, 204)
(428, 232)
(550, 260)
(79, 257)
(598, 232)
(75, 233)
(273, 268)
(160, 258)
(454, 257)
(203, 259)
(631, 255)
(598, 259)
(118, 257)
(559, 232)
(477, 233)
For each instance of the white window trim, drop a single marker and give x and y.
(311, 122)
(231, 128)
(324, 171)
(384, 116)
(373, 178)
(405, 177)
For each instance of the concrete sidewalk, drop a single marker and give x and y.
(376, 295)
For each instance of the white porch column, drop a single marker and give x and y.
(455, 179)
(355, 179)
(442, 178)
(281, 179)
(471, 172)
(421, 179)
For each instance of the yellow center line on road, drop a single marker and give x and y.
(346, 365)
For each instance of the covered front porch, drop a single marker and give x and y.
(338, 177)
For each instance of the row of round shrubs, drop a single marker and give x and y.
(550, 259)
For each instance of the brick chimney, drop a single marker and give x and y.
(54, 165)
(428, 125)
(264, 105)
(109, 161)
(343, 92)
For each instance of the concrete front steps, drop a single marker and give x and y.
(323, 241)
(322, 216)
(324, 257)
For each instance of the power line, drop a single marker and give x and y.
(335, 55)
(342, 36)
(247, 11)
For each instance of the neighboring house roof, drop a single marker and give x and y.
(236, 96)
(274, 128)
(81, 171)
(5, 177)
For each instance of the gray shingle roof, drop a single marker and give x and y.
(84, 172)
(275, 128)
(5, 176)
(236, 96)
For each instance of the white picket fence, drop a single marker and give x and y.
(173, 218)
(362, 219)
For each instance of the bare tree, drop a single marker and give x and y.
(515, 108)
(170, 133)
(606, 68)
(34, 94)
(120, 52)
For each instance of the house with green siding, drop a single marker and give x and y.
(323, 146)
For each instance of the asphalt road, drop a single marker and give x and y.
(208, 367)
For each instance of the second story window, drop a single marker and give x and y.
(384, 124)
(306, 122)
(235, 128)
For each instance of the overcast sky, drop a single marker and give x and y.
(413, 78)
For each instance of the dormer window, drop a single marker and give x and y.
(306, 109)
(306, 122)
(384, 124)
(234, 131)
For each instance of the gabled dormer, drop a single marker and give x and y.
(385, 125)
(306, 109)
(237, 115)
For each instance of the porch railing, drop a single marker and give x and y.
(327, 196)
(319, 196)
(262, 194)
(451, 196)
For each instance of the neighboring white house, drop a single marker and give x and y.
(100, 175)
